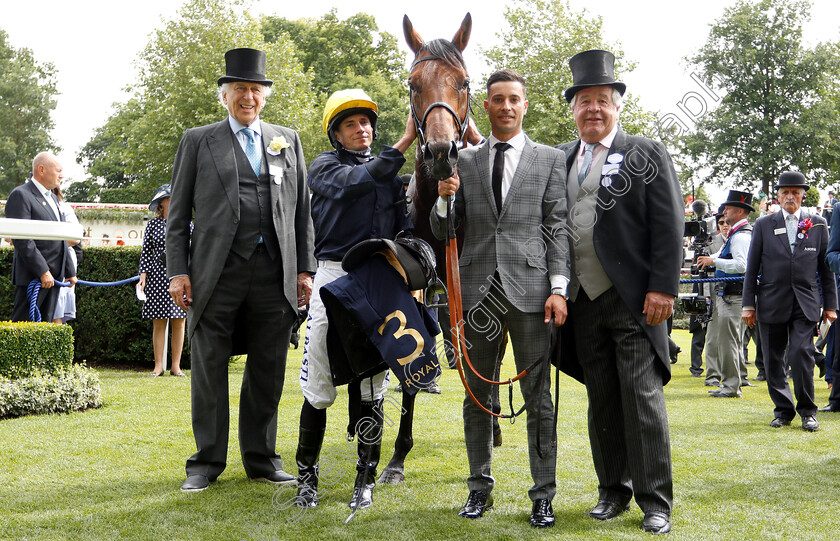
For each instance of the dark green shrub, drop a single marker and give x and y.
(73, 389)
(29, 348)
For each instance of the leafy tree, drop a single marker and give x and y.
(779, 108)
(176, 89)
(27, 90)
(352, 53)
(542, 36)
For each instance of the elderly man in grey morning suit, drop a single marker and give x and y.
(244, 272)
(514, 272)
(626, 224)
(788, 252)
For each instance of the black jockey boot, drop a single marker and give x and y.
(369, 433)
(313, 423)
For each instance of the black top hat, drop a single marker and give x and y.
(593, 68)
(738, 199)
(245, 65)
(792, 179)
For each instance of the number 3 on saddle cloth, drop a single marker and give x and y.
(374, 321)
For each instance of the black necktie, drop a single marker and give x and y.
(499, 173)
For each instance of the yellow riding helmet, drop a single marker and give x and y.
(348, 102)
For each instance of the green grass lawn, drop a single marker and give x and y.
(115, 472)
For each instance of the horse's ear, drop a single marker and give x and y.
(411, 36)
(462, 36)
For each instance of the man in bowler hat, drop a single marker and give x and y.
(788, 251)
(625, 229)
(725, 335)
(245, 271)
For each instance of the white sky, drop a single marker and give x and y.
(93, 44)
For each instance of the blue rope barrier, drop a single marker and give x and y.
(706, 280)
(34, 288)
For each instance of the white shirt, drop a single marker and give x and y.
(739, 247)
(49, 196)
(512, 157)
(602, 146)
(237, 127)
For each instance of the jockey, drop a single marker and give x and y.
(355, 197)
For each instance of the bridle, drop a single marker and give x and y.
(420, 123)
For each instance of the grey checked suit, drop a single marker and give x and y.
(507, 259)
(240, 304)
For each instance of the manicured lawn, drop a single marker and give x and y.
(115, 472)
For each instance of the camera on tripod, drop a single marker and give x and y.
(700, 230)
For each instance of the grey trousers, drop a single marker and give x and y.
(529, 338)
(725, 342)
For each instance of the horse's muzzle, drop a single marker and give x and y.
(440, 157)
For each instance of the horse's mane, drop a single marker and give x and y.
(446, 51)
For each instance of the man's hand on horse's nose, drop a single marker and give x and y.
(449, 186)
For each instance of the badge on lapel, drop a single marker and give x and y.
(276, 173)
(611, 168)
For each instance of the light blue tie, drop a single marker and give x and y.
(252, 152)
(790, 224)
(587, 161)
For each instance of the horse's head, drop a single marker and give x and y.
(439, 91)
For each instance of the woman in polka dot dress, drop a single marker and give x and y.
(159, 306)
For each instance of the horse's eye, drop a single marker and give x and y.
(466, 85)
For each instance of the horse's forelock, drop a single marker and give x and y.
(445, 50)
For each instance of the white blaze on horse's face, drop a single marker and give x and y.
(355, 132)
(506, 106)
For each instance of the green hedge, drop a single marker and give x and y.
(29, 348)
(108, 328)
(73, 389)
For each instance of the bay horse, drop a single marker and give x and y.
(439, 96)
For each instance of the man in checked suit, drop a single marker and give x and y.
(245, 271)
(45, 260)
(514, 272)
(625, 228)
(788, 251)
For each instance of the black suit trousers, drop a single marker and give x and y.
(628, 422)
(797, 334)
(250, 291)
(47, 298)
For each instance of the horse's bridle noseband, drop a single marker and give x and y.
(420, 123)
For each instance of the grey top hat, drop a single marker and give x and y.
(162, 193)
(593, 68)
(792, 179)
(245, 65)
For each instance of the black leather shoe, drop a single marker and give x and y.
(810, 424)
(779, 422)
(760, 377)
(605, 510)
(278, 477)
(477, 503)
(831, 408)
(195, 483)
(697, 374)
(431, 388)
(721, 394)
(542, 514)
(656, 523)
(746, 383)
(712, 383)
